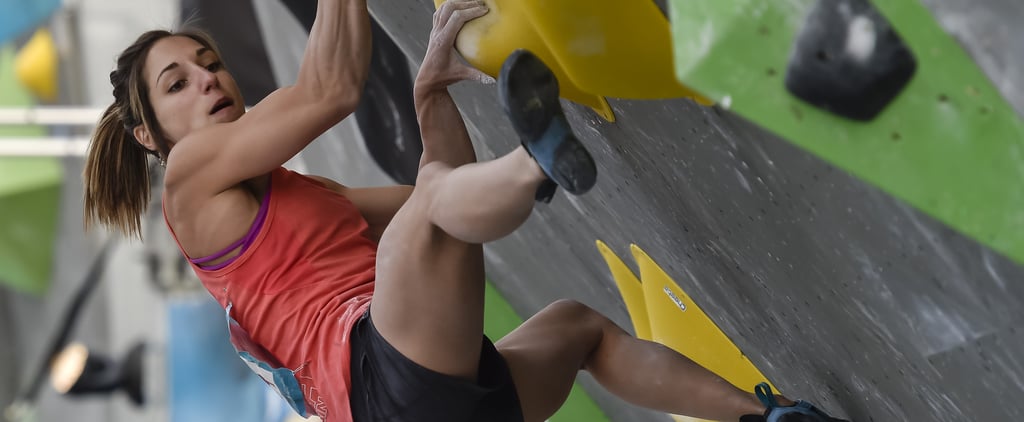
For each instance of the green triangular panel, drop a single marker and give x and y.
(29, 199)
(949, 144)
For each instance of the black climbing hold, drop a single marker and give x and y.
(848, 59)
(386, 115)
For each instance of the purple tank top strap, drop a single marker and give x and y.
(244, 242)
(219, 253)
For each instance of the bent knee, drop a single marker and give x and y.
(576, 313)
(432, 172)
(569, 306)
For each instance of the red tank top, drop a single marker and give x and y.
(301, 285)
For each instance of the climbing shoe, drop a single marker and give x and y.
(801, 411)
(529, 94)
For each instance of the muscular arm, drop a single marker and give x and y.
(328, 88)
(337, 54)
(441, 122)
(442, 129)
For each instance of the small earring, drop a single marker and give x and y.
(162, 161)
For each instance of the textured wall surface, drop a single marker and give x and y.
(838, 292)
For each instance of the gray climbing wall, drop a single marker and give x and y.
(838, 292)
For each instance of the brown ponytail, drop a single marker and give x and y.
(116, 175)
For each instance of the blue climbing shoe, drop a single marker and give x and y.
(801, 411)
(529, 94)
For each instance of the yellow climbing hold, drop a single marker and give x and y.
(631, 290)
(36, 66)
(676, 321)
(679, 323)
(596, 48)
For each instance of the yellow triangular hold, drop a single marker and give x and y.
(596, 48)
(36, 66)
(630, 289)
(677, 322)
(632, 293)
(485, 42)
(612, 48)
(672, 318)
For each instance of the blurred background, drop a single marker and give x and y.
(130, 317)
(831, 275)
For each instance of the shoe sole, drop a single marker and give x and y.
(571, 167)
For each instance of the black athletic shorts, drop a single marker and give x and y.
(387, 386)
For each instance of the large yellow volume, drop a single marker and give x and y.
(596, 48)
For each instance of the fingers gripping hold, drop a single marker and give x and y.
(457, 20)
(444, 13)
(442, 65)
(451, 16)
